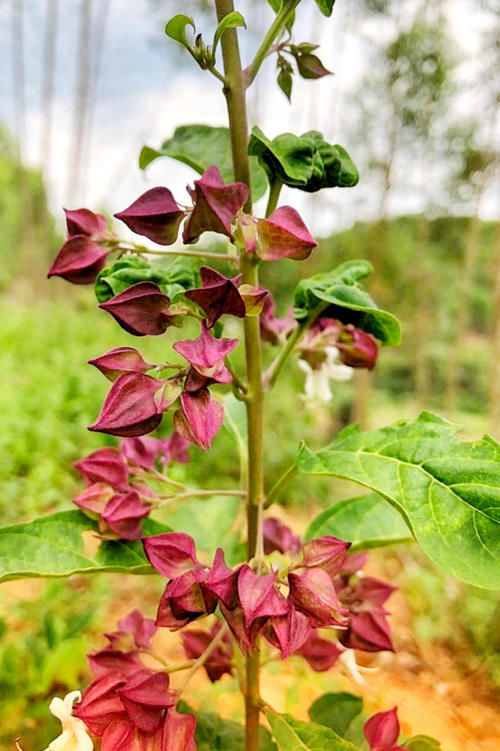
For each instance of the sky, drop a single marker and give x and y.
(147, 85)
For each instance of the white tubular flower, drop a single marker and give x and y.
(317, 384)
(74, 736)
(348, 659)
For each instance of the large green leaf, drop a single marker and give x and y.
(295, 735)
(213, 732)
(448, 491)
(173, 277)
(306, 162)
(367, 521)
(54, 546)
(200, 146)
(346, 301)
(336, 710)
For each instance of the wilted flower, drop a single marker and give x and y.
(217, 296)
(79, 260)
(142, 309)
(382, 731)
(283, 235)
(155, 215)
(120, 360)
(215, 205)
(74, 736)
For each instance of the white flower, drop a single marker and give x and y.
(348, 659)
(74, 736)
(317, 384)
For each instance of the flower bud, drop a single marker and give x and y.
(105, 465)
(218, 296)
(357, 348)
(200, 418)
(141, 309)
(140, 628)
(79, 260)
(284, 235)
(120, 360)
(382, 731)
(130, 408)
(215, 205)
(154, 215)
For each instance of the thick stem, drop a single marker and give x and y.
(234, 92)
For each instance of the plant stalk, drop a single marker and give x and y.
(282, 17)
(234, 91)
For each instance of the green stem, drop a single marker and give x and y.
(285, 354)
(178, 252)
(274, 194)
(234, 92)
(280, 484)
(282, 17)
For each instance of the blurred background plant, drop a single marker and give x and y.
(415, 100)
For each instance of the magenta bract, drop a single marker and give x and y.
(373, 590)
(313, 593)
(120, 360)
(178, 732)
(94, 499)
(289, 632)
(215, 205)
(206, 354)
(171, 554)
(258, 596)
(155, 215)
(368, 631)
(272, 328)
(196, 641)
(123, 514)
(185, 599)
(277, 536)
(382, 731)
(140, 628)
(357, 348)
(222, 580)
(104, 465)
(321, 654)
(217, 296)
(327, 552)
(110, 661)
(130, 408)
(85, 222)
(145, 695)
(79, 260)
(142, 309)
(200, 418)
(101, 704)
(284, 235)
(142, 451)
(175, 449)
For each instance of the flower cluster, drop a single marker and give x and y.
(128, 705)
(322, 589)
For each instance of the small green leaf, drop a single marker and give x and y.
(336, 711)
(200, 146)
(447, 491)
(348, 302)
(325, 6)
(422, 743)
(306, 162)
(285, 82)
(295, 735)
(174, 278)
(213, 732)
(367, 521)
(231, 21)
(176, 29)
(54, 546)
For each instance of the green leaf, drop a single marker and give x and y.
(54, 546)
(348, 302)
(208, 521)
(448, 491)
(306, 162)
(422, 743)
(200, 146)
(325, 6)
(295, 735)
(285, 82)
(176, 29)
(231, 21)
(212, 732)
(367, 521)
(336, 711)
(173, 277)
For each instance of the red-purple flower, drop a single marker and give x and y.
(123, 515)
(357, 348)
(206, 356)
(272, 329)
(196, 641)
(327, 552)
(86, 222)
(120, 360)
(277, 536)
(199, 419)
(368, 628)
(185, 599)
(121, 655)
(258, 596)
(104, 465)
(171, 554)
(288, 632)
(215, 205)
(133, 407)
(155, 215)
(382, 731)
(284, 235)
(94, 499)
(141, 309)
(79, 260)
(313, 593)
(217, 296)
(321, 654)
